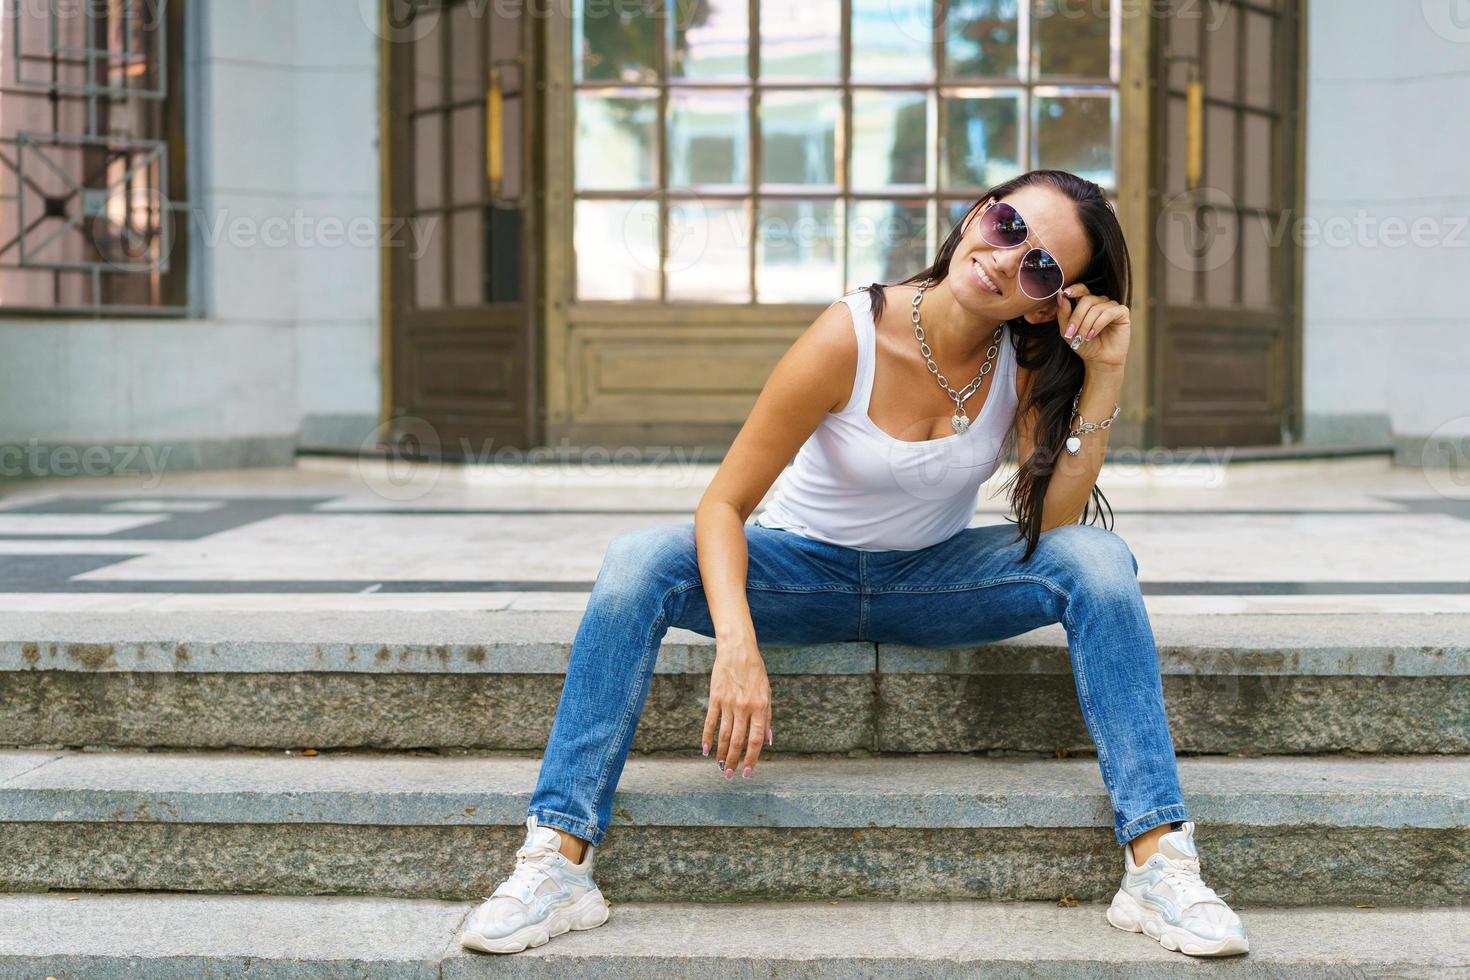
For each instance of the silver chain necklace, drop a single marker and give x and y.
(959, 419)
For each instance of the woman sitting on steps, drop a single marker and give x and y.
(867, 538)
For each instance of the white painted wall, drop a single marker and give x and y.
(285, 183)
(1387, 332)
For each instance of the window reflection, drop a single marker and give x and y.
(616, 141)
(616, 245)
(887, 240)
(799, 137)
(847, 173)
(711, 40)
(801, 41)
(982, 139)
(980, 38)
(709, 138)
(1075, 132)
(616, 42)
(892, 40)
(798, 251)
(890, 139)
(708, 258)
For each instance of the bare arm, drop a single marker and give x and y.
(811, 378)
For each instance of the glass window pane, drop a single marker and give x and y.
(1180, 234)
(428, 268)
(616, 42)
(1258, 261)
(980, 38)
(467, 161)
(890, 137)
(799, 137)
(1075, 133)
(1222, 36)
(1071, 39)
(709, 139)
(467, 79)
(982, 140)
(428, 160)
(616, 141)
(505, 254)
(711, 39)
(467, 257)
(1259, 161)
(893, 40)
(616, 245)
(1260, 54)
(428, 66)
(709, 257)
(801, 40)
(1220, 147)
(1220, 274)
(798, 251)
(886, 241)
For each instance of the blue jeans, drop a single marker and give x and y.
(969, 589)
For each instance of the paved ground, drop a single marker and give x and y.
(1342, 536)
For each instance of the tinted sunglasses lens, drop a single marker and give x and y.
(1040, 276)
(1002, 226)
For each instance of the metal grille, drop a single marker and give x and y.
(90, 119)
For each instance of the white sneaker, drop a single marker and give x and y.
(544, 896)
(1165, 899)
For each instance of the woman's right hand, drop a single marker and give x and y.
(739, 705)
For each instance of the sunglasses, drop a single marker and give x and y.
(1040, 275)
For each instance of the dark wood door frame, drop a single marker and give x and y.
(1227, 374)
(461, 379)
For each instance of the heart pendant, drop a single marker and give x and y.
(960, 422)
(1074, 445)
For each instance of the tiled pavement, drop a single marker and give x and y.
(1344, 536)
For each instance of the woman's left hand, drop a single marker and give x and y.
(1102, 324)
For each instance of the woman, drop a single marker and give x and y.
(867, 538)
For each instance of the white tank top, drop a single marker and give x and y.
(853, 484)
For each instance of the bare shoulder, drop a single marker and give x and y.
(823, 359)
(814, 376)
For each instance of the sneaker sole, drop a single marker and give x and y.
(1127, 914)
(588, 912)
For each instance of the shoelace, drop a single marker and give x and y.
(1183, 875)
(530, 867)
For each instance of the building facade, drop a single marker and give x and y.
(236, 231)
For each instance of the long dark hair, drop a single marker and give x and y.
(1058, 371)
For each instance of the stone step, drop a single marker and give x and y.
(164, 936)
(1278, 830)
(491, 680)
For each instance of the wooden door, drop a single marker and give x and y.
(461, 276)
(1225, 288)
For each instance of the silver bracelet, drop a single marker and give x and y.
(1074, 440)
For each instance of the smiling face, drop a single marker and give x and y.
(982, 277)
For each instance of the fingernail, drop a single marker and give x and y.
(745, 773)
(770, 737)
(705, 750)
(730, 773)
(1071, 329)
(1090, 333)
(1068, 290)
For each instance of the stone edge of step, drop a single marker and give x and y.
(539, 643)
(939, 791)
(129, 932)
